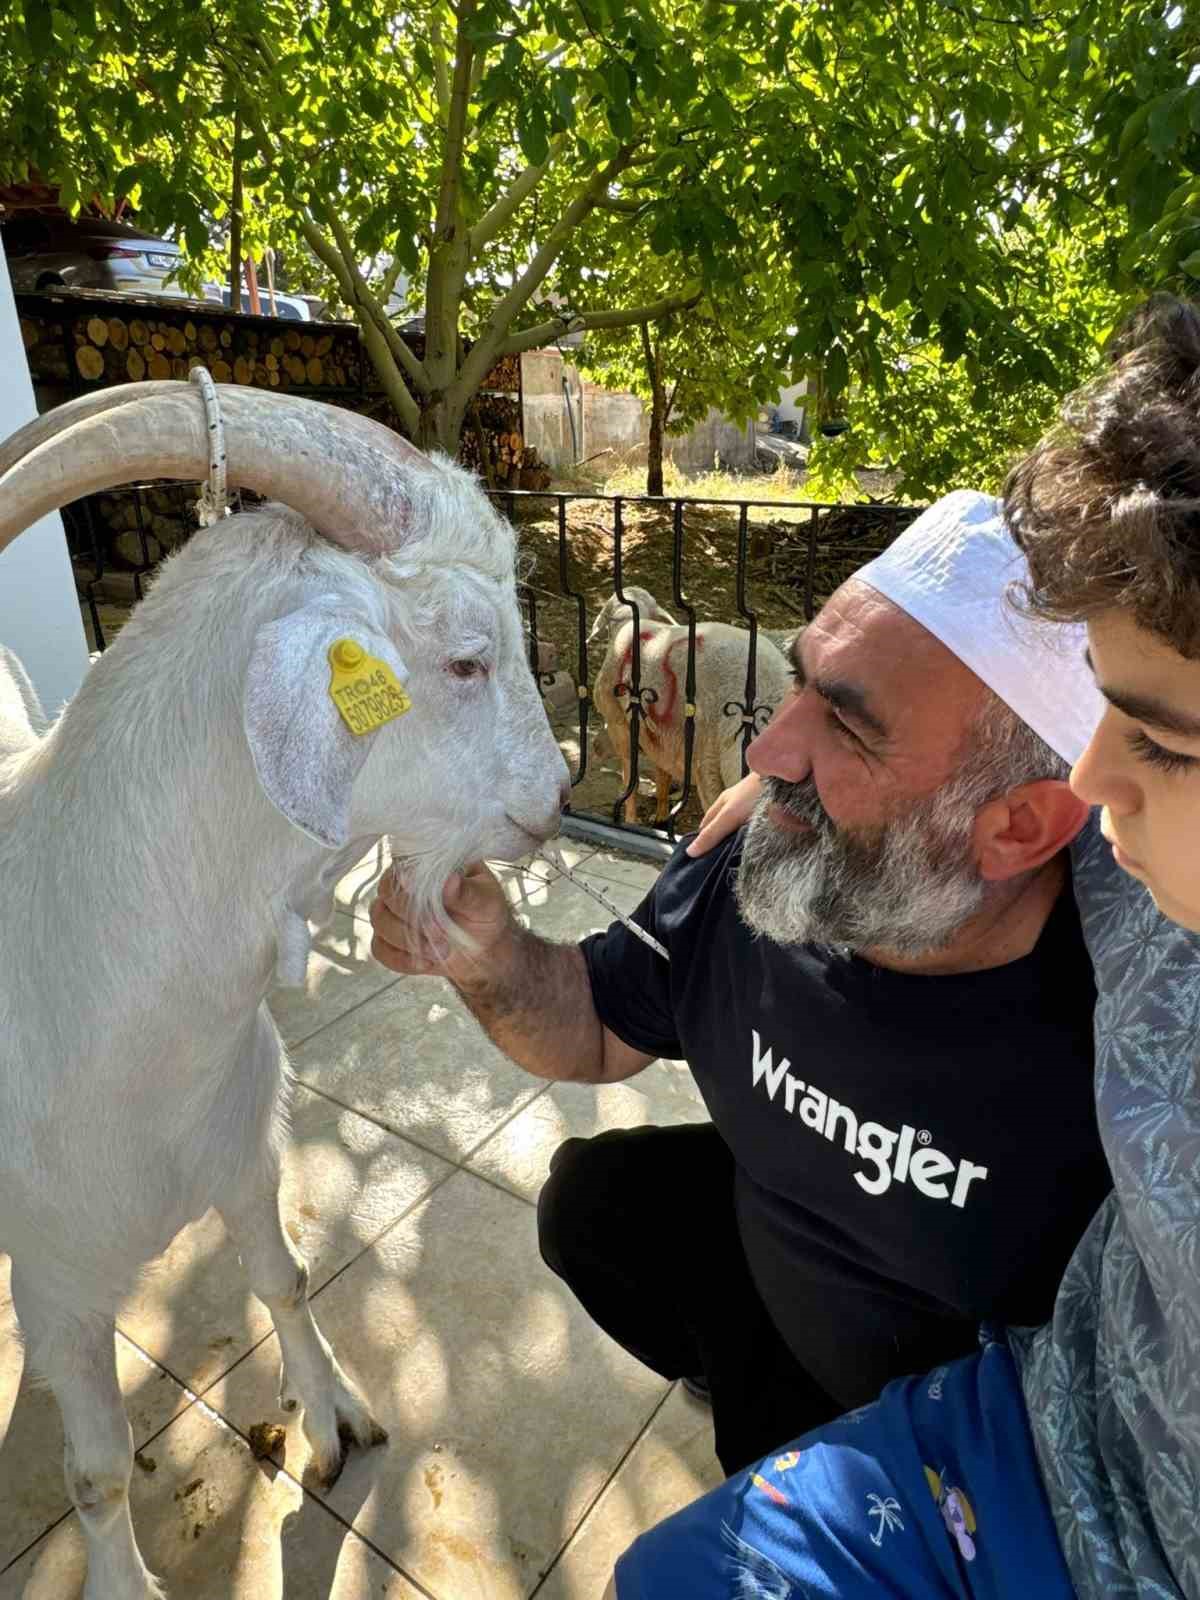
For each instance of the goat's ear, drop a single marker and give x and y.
(304, 753)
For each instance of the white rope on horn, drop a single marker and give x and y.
(213, 501)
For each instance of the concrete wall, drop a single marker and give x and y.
(611, 420)
(39, 612)
(605, 420)
(792, 402)
(713, 440)
(546, 422)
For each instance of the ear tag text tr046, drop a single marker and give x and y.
(364, 689)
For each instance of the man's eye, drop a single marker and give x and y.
(470, 668)
(1156, 755)
(838, 726)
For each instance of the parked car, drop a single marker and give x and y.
(289, 306)
(48, 251)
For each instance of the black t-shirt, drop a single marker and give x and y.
(922, 1146)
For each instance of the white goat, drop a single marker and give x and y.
(722, 656)
(202, 794)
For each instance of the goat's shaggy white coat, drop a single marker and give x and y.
(721, 659)
(148, 881)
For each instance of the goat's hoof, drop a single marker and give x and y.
(332, 1432)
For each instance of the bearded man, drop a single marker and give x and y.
(882, 991)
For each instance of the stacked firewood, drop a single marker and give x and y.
(501, 457)
(103, 346)
(168, 517)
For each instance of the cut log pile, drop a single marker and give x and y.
(78, 341)
(168, 518)
(506, 461)
(125, 347)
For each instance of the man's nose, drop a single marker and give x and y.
(782, 749)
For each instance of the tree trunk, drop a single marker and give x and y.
(658, 410)
(235, 221)
(440, 426)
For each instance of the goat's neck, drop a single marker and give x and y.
(193, 857)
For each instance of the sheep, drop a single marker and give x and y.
(613, 707)
(721, 666)
(203, 792)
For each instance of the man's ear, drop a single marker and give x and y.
(1026, 827)
(304, 752)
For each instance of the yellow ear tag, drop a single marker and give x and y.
(364, 689)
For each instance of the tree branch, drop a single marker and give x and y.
(499, 215)
(456, 125)
(405, 406)
(534, 338)
(390, 279)
(626, 207)
(440, 77)
(491, 342)
(360, 296)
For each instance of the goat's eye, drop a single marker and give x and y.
(470, 668)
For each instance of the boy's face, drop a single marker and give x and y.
(1143, 763)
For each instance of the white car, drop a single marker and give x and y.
(288, 306)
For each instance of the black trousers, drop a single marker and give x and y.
(640, 1225)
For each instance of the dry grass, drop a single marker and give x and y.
(625, 474)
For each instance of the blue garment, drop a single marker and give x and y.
(930, 1493)
(1113, 1383)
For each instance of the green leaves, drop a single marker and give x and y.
(879, 193)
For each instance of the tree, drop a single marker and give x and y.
(729, 355)
(879, 165)
(467, 144)
(948, 424)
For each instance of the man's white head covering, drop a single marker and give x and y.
(951, 571)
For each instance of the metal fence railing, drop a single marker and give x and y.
(763, 565)
(792, 553)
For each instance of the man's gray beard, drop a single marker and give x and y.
(906, 887)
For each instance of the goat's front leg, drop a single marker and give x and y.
(335, 1414)
(76, 1356)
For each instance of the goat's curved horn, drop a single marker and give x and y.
(346, 475)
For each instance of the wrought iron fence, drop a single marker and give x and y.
(722, 560)
(803, 549)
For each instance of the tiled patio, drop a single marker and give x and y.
(526, 1449)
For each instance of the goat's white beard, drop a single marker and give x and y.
(422, 874)
(907, 887)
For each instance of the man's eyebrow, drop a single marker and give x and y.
(1145, 708)
(847, 698)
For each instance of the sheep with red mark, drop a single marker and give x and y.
(722, 656)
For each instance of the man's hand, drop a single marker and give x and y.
(728, 811)
(532, 997)
(474, 901)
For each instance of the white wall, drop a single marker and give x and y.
(39, 612)
(792, 402)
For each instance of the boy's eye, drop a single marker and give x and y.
(1156, 755)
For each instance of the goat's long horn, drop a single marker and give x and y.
(347, 475)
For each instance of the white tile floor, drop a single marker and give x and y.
(526, 1449)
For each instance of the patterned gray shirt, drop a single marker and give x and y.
(1113, 1382)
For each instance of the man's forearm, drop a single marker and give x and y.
(537, 1007)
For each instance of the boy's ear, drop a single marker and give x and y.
(304, 751)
